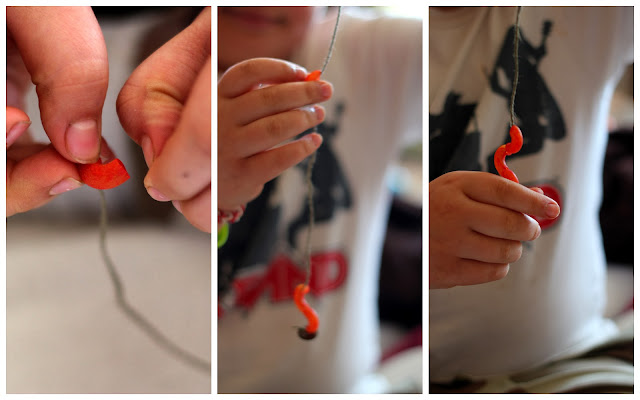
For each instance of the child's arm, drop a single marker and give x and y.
(477, 222)
(255, 122)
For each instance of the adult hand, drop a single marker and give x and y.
(255, 121)
(477, 222)
(61, 50)
(165, 106)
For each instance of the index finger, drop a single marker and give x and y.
(245, 75)
(514, 196)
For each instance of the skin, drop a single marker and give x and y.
(254, 124)
(70, 76)
(477, 223)
(165, 107)
(252, 32)
(263, 101)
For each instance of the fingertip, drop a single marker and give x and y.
(552, 210)
(17, 123)
(501, 272)
(147, 150)
(320, 112)
(538, 231)
(65, 185)
(300, 73)
(326, 89)
(15, 115)
(16, 130)
(106, 154)
(316, 112)
(314, 139)
(156, 194)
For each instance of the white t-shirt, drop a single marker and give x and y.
(376, 70)
(551, 303)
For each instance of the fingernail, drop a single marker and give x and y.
(319, 111)
(299, 71)
(325, 89)
(64, 185)
(177, 206)
(314, 138)
(552, 210)
(147, 150)
(16, 130)
(538, 232)
(156, 195)
(106, 154)
(83, 141)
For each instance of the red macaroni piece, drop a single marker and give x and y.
(508, 149)
(311, 330)
(103, 176)
(313, 76)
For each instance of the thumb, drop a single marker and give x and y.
(65, 55)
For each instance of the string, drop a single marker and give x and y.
(135, 316)
(307, 252)
(312, 161)
(516, 42)
(333, 41)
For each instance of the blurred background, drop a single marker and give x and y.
(616, 212)
(65, 333)
(400, 283)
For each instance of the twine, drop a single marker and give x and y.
(516, 43)
(135, 316)
(312, 161)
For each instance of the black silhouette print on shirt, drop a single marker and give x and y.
(454, 150)
(537, 113)
(456, 146)
(331, 188)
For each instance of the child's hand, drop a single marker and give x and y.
(255, 122)
(476, 224)
(165, 106)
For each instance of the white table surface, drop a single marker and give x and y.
(65, 333)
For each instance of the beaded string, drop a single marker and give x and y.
(310, 331)
(135, 316)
